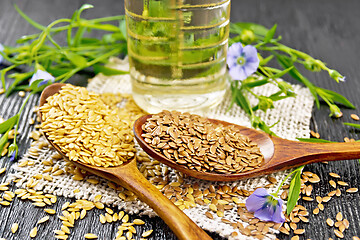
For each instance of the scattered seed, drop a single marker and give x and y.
(99, 205)
(65, 229)
(338, 233)
(332, 183)
(102, 219)
(341, 183)
(330, 222)
(314, 134)
(33, 232)
(21, 93)
(321, 206)
(307, 198)
(209, 215)
(339, 216)
(334, 175)
(90, 236)
(14, 227)
(342, 228)
(332, 193)
(326, 198)
(316, 211)
(308, 190)
(147, 233)
(299, 231)
(304, 219)
(138, 222)
(284, 230)
(355, 117)
(2, 170)
(44, 219)
(5, 203)
(352, 190)
(338, 192)
(293, 226)
(50, 211)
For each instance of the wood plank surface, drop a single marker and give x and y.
(326, 29)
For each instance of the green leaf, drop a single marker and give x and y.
(104, 27)
(256, 28)
(8, 124)
(254, 82)
(3, 140)
(82, 8)
(78, 60)
(28, 19)
(122, 27)
(334, 96)
(265, 61)
(313, 140)
(286, 62)
(19, 79)
(107, 71)
(294, 192)
(241, 100)
(270, 34)
(352, 125)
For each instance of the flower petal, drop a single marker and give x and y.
(40, 74)
(231, 61)
(265, 213)
(235, 50)
(251, 67)
(256, 200)
(233, 53)
(1, 50)
(250, 51)
(278, 215)
(237, 72)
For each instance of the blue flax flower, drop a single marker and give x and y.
(13, 151)
(42, 75)
(242, 61)
(1, 50)
(265, 206)
(13, 156)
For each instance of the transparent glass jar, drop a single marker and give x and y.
(177, 52)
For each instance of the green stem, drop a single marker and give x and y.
(290, 174)
(3, 73)
(19, 113)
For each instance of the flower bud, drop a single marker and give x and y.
(314, 66)
(265, 103)
(336, 75)
(247, 36)
(335, 111)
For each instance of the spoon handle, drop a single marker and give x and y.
(292, 153)
(183, 227)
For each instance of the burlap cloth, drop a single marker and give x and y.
(293, 117)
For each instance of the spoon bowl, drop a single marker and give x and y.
(279, 154)
(128, 176)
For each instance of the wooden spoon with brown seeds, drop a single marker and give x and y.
(129, 176)
(279, 154)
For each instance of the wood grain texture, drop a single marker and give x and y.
(326, 29)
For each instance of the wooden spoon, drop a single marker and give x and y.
(129, 176)
(279, 154)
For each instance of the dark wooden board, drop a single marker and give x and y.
(326, 29)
